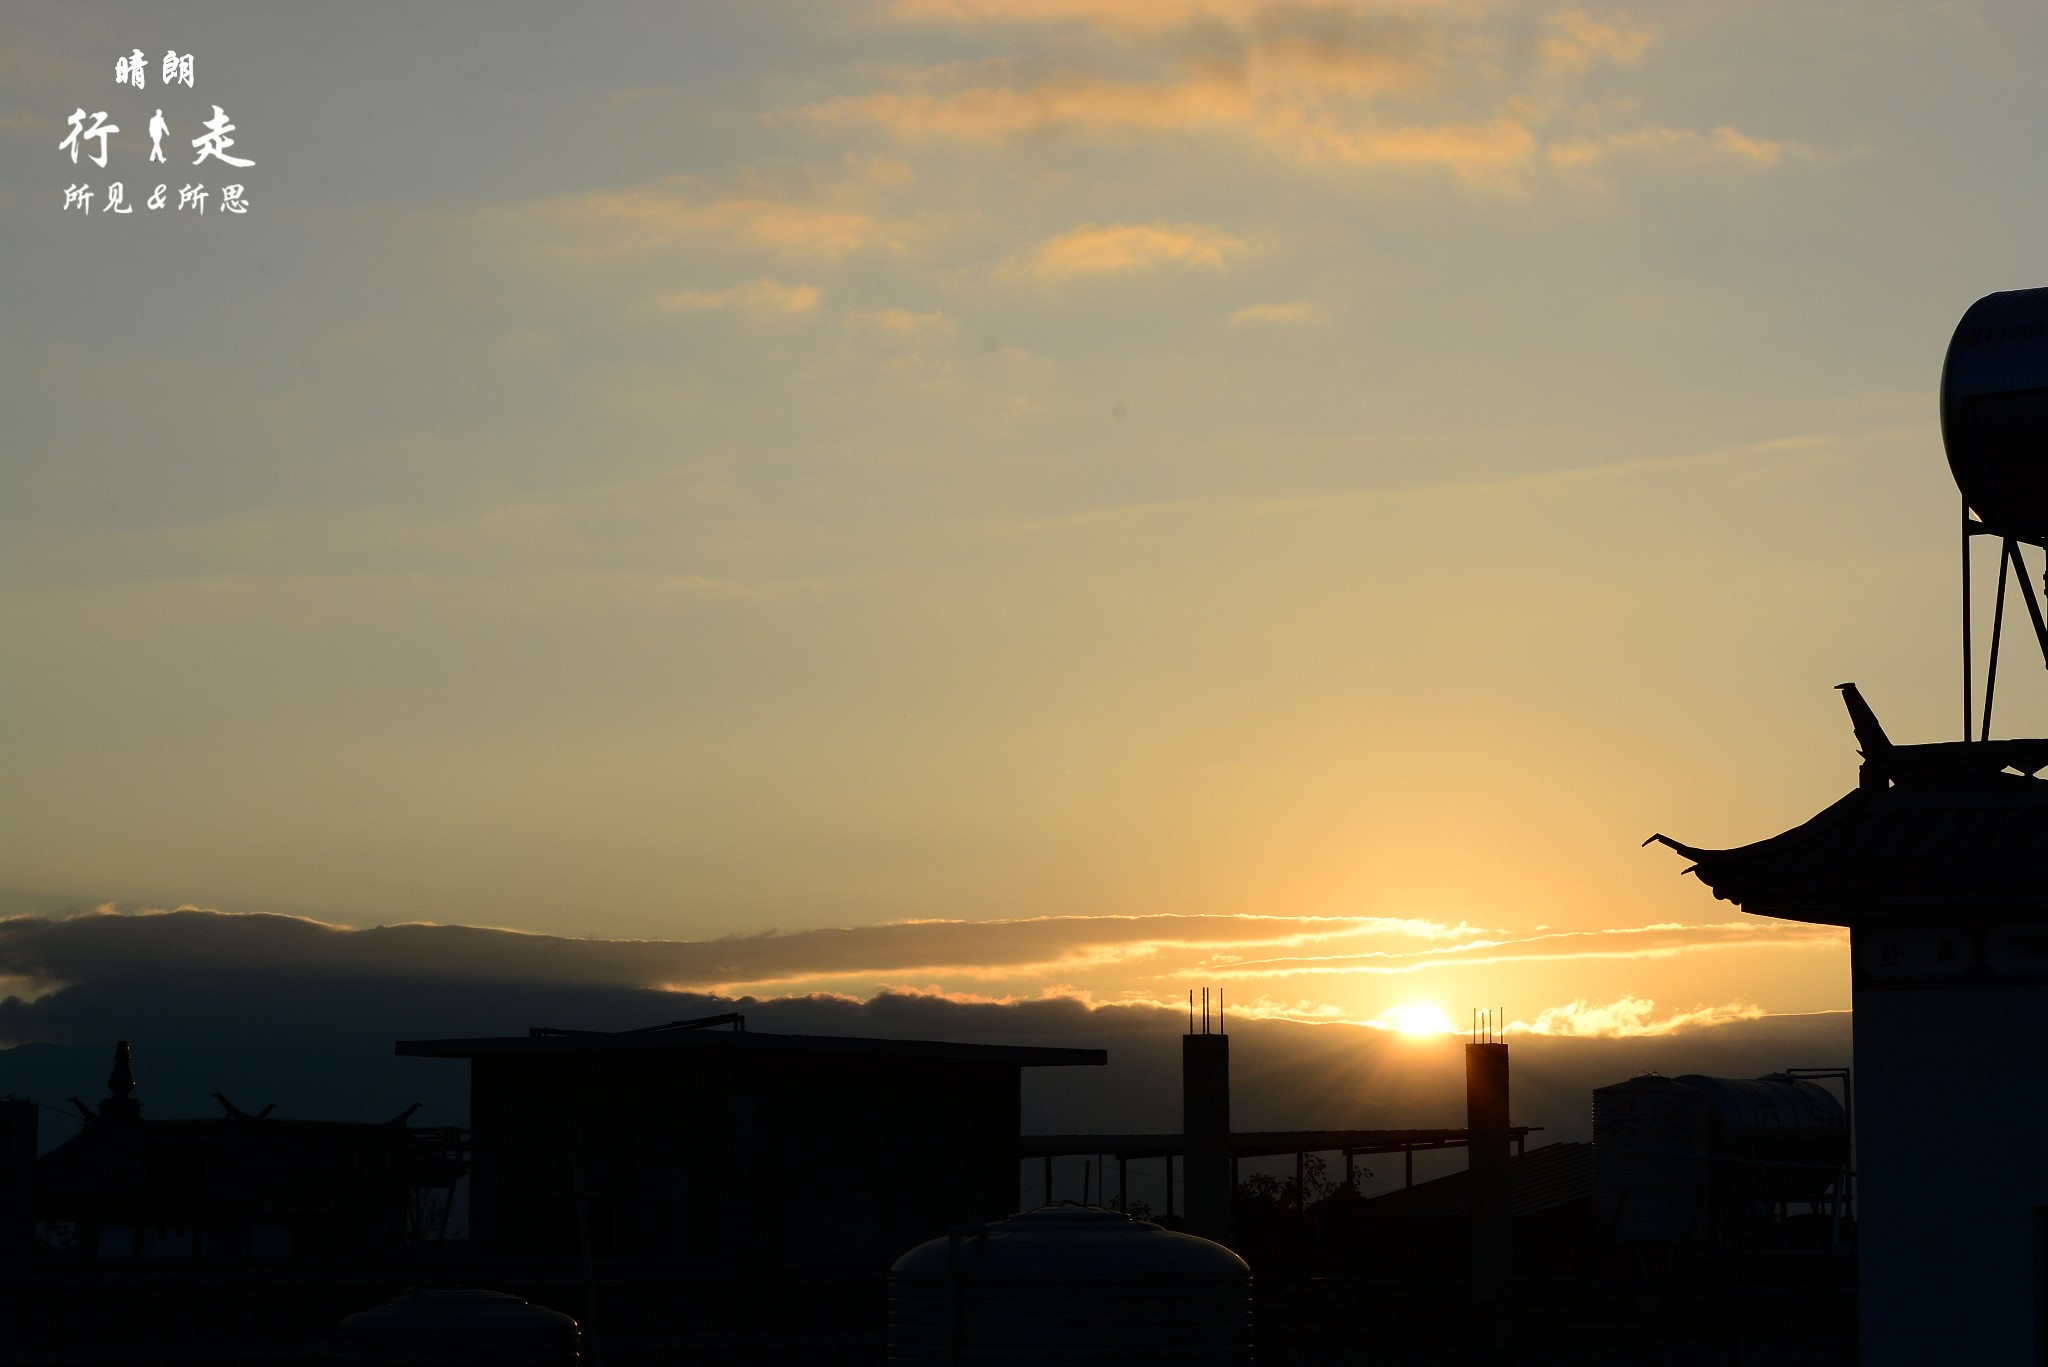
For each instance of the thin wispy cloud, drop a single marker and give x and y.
(764, 298)
(1116, 248)
(1578, 40)
(107, 943)
(901, 322)
(1341, 85)
(1671, 146)
(680, 211)
(1270, 315)
(1628, 1017)
(1635, 942)
(1114, 14)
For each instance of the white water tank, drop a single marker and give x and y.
(457, 1327)
(1070, 1284)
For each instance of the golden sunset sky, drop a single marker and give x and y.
(999, 497)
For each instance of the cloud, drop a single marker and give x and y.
(1480, 152)
(1100, 249)
(1660, 941)
(1152, 15)
(1580, 40)
(1266, 315)
(760, 299)
(675, 212)
(1412, 87)
(1758, 151)
(276, 1009)
(1272, 113)
(995, 113)
(1628, 1016)
(105, 944)
(894, 322)
(1672, 146)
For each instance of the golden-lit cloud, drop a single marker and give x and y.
(1477, 151)
(1670, 145)
(1578, 40)
(677, 212)
(994, 113)
(1661, 941)
(1421, 87)
(1759, 151)
(106, 941)
(1146, 15)
(898, 322)
(1277, 101)
(1628, 1016)
(1107, 248)
(763, 299)
(1263, 315)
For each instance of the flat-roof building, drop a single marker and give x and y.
(704, 1147)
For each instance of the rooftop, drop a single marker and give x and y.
(687, 1036)
(1255, 1143)
(1930, 829)
(1543, 1179)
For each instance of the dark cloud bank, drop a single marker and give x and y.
(271, 1009)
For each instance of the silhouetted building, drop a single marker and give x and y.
(1427, 1230)
(737, 1151)
(238, 1186)
(1937, 863)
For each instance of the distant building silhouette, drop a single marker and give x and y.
(234, 1187)
(1427, 1230)
(731, 1150)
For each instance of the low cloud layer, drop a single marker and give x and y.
(1155, 958)
(106, 943)
(275, 1009)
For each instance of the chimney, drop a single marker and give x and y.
(1205, 1120)
(1486, 1122)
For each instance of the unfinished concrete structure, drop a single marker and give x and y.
(1205, 1121)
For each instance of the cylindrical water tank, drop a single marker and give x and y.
(456, 1327)
(1651, 1146)
(1066, 1284)
(1994, 410)
(1790, 1139)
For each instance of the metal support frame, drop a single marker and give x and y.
(2010, 563)
(1845, 1179)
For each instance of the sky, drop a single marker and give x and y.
(993, 499)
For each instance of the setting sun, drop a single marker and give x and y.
(1417, 1018)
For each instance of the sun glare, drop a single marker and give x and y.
(1418, 1018)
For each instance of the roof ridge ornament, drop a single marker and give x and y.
(1871, 741)
(121, 1081)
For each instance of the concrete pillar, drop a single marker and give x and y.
(1205, 1124)
(1486, 1122)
